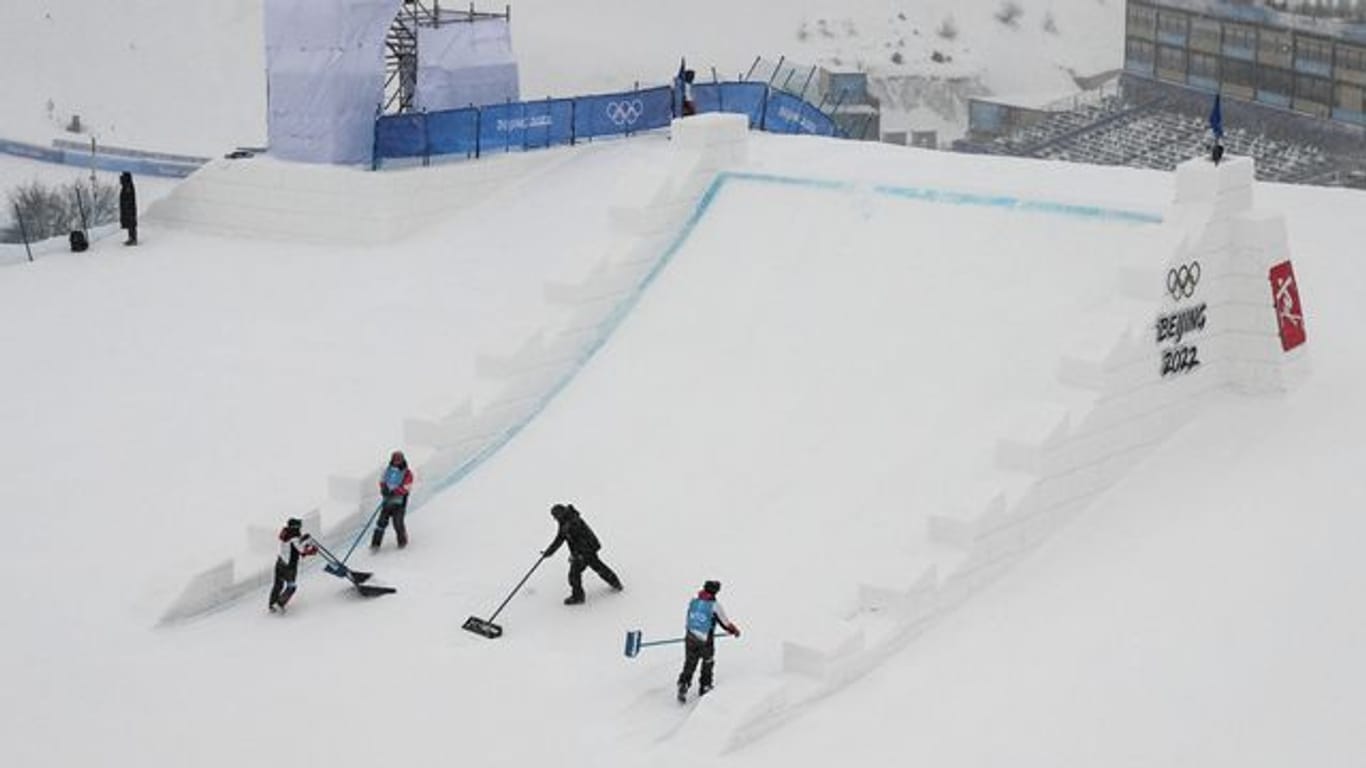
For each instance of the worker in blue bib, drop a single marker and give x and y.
(705, 614)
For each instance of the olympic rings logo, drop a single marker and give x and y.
(625, 112)
(1182, 280)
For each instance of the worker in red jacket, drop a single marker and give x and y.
(294, 544)
(394, 486)
(705, 614)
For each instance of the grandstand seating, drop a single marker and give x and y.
(1156, 134)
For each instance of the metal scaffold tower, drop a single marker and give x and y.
(400, 44)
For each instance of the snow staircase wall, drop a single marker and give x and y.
(1055, 460)
(266, 197)
(655, 210)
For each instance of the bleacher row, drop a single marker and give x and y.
(1155, 135)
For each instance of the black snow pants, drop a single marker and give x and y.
(577, 564)
(395, 507)
(695, 650)
(283, 588)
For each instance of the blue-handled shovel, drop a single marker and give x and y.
(634, 644)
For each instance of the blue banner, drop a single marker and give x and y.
(622, 113)
(526, 125)
(535, 124)
(740, 98)
(453, 132)
(401, 136)
(788, 114)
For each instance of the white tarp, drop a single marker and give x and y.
(325, 75)
(465, 62)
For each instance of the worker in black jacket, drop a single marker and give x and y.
(128, 207)
(583, 551)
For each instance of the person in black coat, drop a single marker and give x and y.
(583, 551)
(128, 207)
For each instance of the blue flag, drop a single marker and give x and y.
(1216, 119)
(678, 86)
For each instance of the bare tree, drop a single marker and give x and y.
(50, 211)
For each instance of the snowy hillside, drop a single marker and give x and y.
(189, 77)
(816, 377)
(817, 369)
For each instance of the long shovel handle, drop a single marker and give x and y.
(677, 640)
(508, 599)
(361, 534)
(326, 553)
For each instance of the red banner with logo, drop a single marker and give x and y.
(1285, 295)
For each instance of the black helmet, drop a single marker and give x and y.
(712, 586)
(558, 511)
(398, 459)
(294, 522)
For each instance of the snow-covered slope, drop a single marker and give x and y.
(816, 370)
(189, 77)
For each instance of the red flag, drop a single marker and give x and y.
(1285, 296)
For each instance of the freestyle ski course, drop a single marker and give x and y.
(851, 381)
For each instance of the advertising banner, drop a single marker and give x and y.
(1285, 295)
(788, 114)
(622, 113)
(526, 125)
(737, 98)
(453, 132)
(400, 136)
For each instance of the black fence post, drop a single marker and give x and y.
(374, 147)
(80, 207)
(426, 139)
(720, 98)
(573, 122)
(635, 94)
(478, 130)
(751, 68)
(23, 231)
(867, 121)
(807, 84)
(549, 122)
(776, 69)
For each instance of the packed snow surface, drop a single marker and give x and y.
(816, 370)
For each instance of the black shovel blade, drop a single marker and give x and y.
(358, 577)
(370, 590)
(485, 628)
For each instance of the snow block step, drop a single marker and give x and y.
(710, 130)
(348, 488)
(815, 654)
(1030, 433)
(263, 539)
(907, 605)
(452, 429)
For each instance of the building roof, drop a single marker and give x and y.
(1340, 28)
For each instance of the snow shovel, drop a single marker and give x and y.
(357, 578)
(486, 627)
(633, 643)
(339, 569)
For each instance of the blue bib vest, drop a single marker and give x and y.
(393, 477)
(701, 614)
